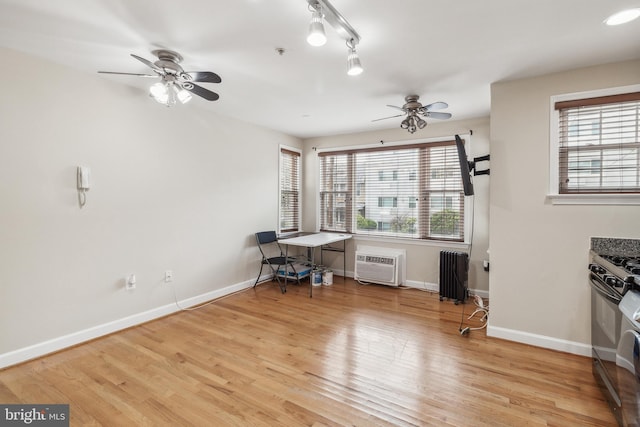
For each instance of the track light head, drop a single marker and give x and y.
(317, 36)
(354, 67)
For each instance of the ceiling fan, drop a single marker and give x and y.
(413, 109)
(175, 84)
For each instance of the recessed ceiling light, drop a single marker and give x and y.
(623, 17)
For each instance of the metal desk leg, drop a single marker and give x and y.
(344, 261)
(286, 266)
(311, 275)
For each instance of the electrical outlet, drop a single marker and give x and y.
(168, 276)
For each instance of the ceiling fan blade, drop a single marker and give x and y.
(200, 91)
(204, 76)
(385, 118)
(150, 64)
(398, 108)
(155, 76)
(436, 115)
(436, 106)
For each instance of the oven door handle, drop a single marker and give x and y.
(604, 290)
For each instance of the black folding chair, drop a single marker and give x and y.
(274, 257)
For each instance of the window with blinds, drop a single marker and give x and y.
(407, 191)
(599, 144)
(289, 190)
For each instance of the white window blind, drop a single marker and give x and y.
(408, 191)
(289, 190)
(599, 144)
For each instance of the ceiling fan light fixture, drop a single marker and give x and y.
(159, 92)
(172, 95)
(183, 95)
(317, 36)
(623, 17)
(414, 111)
(412, 123)
(174, 84)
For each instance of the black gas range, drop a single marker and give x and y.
(618, 272)
(615, 283)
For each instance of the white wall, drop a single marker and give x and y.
(539, 252)
(172, 188)
(422, 259)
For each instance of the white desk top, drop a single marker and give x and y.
(315, 240)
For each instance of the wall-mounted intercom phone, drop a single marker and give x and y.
(83, 178)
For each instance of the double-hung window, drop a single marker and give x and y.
(406, 191)
(289, 209)
(598, 144)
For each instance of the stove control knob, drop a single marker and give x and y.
(612, 281)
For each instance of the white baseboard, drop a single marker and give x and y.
(434, 287)
(56, 344)
(543, 341)
(423, 286)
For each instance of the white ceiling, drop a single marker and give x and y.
(441, 50)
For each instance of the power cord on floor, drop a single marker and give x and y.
(430, 291)
(481, 309)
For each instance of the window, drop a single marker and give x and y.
(408, 191)
(599, 144)
(289, 190)
(387, 202)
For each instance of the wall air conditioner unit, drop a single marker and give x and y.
(383, 266)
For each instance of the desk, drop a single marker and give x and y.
(321, 240)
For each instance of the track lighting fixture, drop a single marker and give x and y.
(323, 10)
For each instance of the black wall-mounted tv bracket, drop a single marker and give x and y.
(472, 165)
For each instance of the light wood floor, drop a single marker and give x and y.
(351, 355)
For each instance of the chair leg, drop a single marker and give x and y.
(259, 274)
(283, 286)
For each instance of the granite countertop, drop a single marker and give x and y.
(615, 246)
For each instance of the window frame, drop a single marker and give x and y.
(554, 195)
(298, 215)
(466, 203)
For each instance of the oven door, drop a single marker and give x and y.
(605, 335)
(628, 374)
